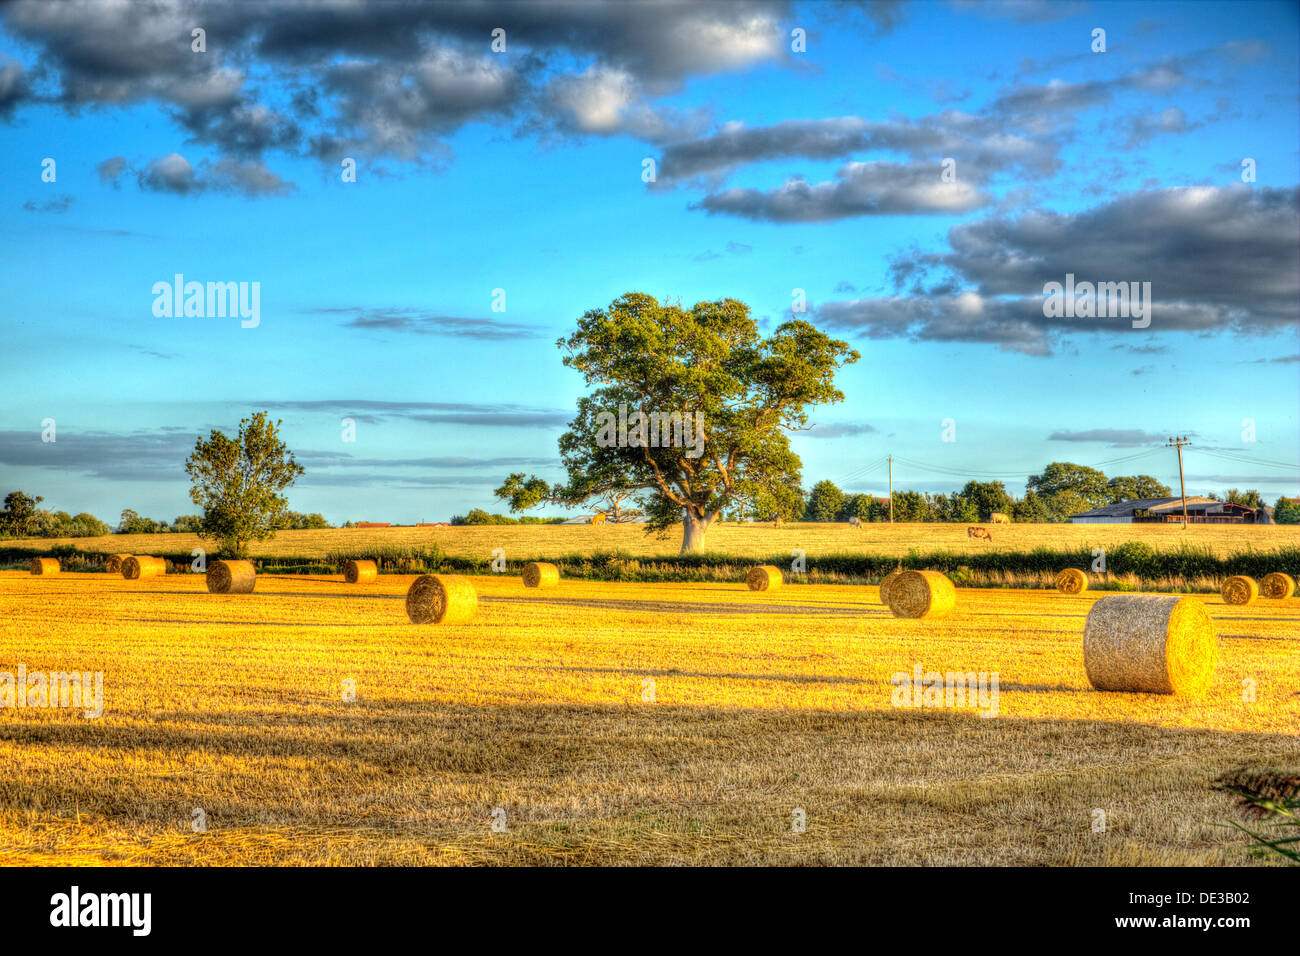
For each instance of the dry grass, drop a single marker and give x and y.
(532, 542)
(763, 704)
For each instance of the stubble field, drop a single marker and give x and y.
(537, 715)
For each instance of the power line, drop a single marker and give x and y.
(1246, 460)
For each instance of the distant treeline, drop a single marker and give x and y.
(21, 518)
(1063, 489)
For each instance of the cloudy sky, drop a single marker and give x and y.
(919, 170)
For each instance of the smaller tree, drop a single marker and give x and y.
(825, 502)
(238, 481)
(856, 506)
(911, 506)
(19, 517)
(1031, 509)
(1287, 511)
(132, 523)
(987, 497)
(1247, 499)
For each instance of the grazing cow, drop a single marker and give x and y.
(999, 518)
(979, 533)
(855, 522)
(598, 519)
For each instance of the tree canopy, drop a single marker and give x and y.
(718, 400)
(237, 481)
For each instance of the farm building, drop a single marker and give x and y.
(1200, 510)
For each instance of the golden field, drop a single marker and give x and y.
(764, 704)
(526, 542)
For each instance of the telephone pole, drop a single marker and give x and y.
(891, 489)
(1178, 443)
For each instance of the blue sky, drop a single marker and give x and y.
(522, 171)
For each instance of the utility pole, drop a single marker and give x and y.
(1178, 443)
(891, 489)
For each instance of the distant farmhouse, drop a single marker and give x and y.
(1163, 510)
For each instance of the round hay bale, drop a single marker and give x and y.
(922, 594)
(1239, 589)
(441, 599)
(887, 583)
(45, 565)
(1072, 581)
(360, 572)
(1149, 644)
(1277, 586)
(113, 563)
(538, 574)
(135, 566)
(764, 577)
(231, 577)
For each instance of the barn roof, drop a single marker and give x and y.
(1126, 509)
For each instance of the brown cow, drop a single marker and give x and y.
(979, 533)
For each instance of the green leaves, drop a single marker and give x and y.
(709, 363)
(238, 482)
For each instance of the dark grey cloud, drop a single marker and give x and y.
(1113, 437)
(331, 459)
(379, 78)
(14, 88)
(110, 170)
(1218, 260)
(1058, 100)
(377, 479)
(249, 178)
(157, 455)
(981, 145)
(859, 189)
(1142, 129)
(175, 174)
(172, 173)
(60, 203)
(423, 322)
(503, 415)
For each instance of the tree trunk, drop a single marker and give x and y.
(693, 531)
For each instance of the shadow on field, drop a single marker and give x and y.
(682, 607)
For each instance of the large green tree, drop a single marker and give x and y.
(738, 395)
(237, 481)
(1135, 487)
(1067, 488)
